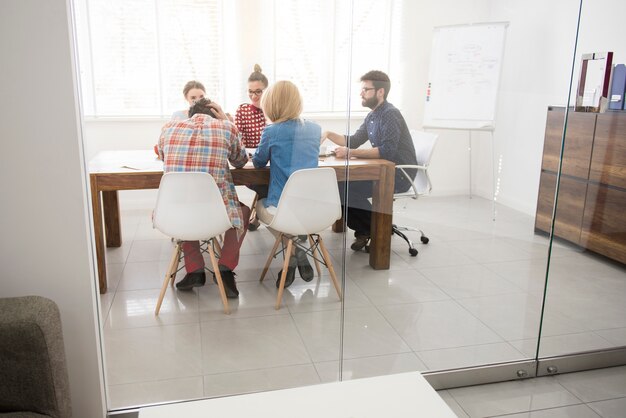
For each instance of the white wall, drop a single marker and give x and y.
(46, 247)
(450, 162)
(536, 73)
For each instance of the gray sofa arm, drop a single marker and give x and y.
(33, 371)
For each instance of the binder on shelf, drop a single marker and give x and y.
(618, 86)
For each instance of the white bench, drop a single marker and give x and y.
(399, 395)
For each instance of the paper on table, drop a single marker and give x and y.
(327, 148)
(145, 165)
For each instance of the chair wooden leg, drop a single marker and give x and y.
(271, 256)
(168, 276)
(317, 263)
(253, 206)
(178, 250)
(218, 278)
(283, 276)
(329, 264)
(216, 246)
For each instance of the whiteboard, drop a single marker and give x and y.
(463, 76)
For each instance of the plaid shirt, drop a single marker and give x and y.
(205, 144)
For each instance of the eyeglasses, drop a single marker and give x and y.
(255, 92)
(366, 89)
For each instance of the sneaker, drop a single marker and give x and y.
(304, 267)
(291, 273)
(254, 224)
(360, 242)
(291, 276)
(230, 287)
(191, 280)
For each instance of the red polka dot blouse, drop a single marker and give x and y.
(251, 121)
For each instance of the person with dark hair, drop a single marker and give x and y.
(249, 117)
(193, 90)
(387, 131)
(250, 120)
(207, 144)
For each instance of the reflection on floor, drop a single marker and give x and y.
(590, 394)
(472, 296)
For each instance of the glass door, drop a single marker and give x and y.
(585, 306)
(483, 77)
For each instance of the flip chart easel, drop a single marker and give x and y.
(464, 76)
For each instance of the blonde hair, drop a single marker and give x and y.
(282, 101)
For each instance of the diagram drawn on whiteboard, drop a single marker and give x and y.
(464, 75)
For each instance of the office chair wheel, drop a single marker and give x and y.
(424, 240)
(413, 252)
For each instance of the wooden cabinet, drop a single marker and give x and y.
(591, 204)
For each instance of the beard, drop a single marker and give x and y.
(372, 102)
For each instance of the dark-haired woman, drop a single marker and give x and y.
(250, 121)
(249, 117)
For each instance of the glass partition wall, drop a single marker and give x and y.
(584, 322)
(492, 292)
(490, 296)
(192, 349)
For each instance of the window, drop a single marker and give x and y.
(136, 55)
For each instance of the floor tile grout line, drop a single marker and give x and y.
(542, 409)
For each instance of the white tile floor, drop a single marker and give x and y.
(589, 394)
(472, 295)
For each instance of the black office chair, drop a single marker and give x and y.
(424, 143)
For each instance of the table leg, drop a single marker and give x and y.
(98, 231)
(112, 225)
(382, 210)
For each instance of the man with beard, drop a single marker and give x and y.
(386, 130)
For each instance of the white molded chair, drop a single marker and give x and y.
(308, 205)
(424, 143)
(190, 207)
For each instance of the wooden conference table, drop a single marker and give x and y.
(111, 171)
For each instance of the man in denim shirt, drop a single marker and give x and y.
(386, 130)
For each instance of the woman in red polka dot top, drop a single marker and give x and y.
(249, 117)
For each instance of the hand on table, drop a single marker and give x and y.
(342, 152)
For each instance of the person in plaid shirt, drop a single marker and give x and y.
(206, 144)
